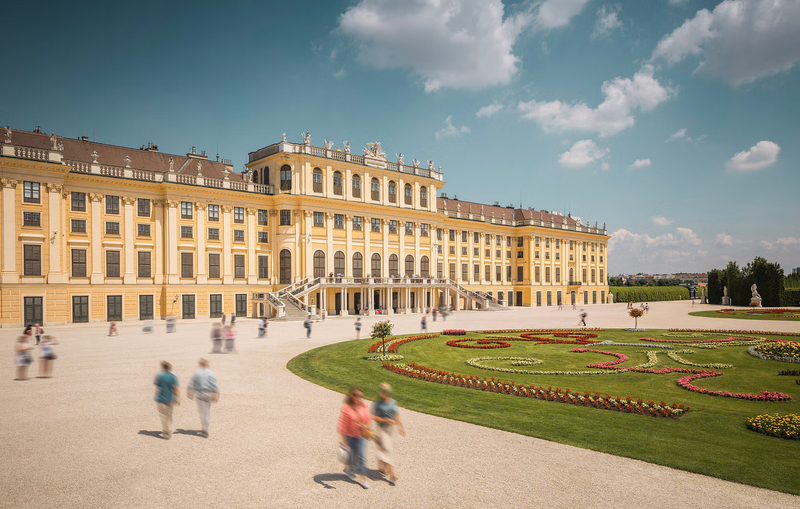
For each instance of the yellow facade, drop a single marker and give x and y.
(93, 232)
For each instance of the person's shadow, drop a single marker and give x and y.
(190, 432)
(324, 479)
(155, 434)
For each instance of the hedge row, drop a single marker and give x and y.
(649, 293)
(790, 298)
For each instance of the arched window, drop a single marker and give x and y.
(265, 175)
(317, 179)
(409, 265)
(392, 192)
(423, 197)
(255, 177)
(286, 267)
(394, 265)
(358, 265)
(409, 194)
(338, 263)
(376, 265)
(286, 178)
(337, 183)
(424, 267)
(319, 264)
(356, 186)
(375, 186)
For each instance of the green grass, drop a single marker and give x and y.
(712, 439)
(714, 314)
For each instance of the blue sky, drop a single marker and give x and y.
(673, 122)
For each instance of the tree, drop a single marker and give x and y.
(732, 280)
(714, 286)
(768, 277)
(636, 313)
(792, 281)
(381, 331)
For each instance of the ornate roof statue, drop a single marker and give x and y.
(328, 144)
(374, 150)
(225, 173)
(8, 133)
(415, 162)
(171, 165)
(346, 147)
(199, 169)
(400, 158)
(54, 141)
(284, 136)
(94, 156)
(430, 164)
(306, 138)
(127, 161)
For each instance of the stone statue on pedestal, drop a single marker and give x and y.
(726, 301)
(755, 299)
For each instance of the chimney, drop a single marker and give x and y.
(193, 154)
(84, 138)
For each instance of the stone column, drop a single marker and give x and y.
(8, 266)
(202, 275)
(385, 250)
(128, 235)
(273, 243)
(367, 226)
(55, 274)
(227, 244)
(251, 240)
(329, 243)
(306, 249)
(348, 253)
(97, 275)
(159, 252)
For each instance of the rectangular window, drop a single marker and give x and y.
(112, 228)
(547, 243)
(558, 274)
(338, 221)
(79, 202)
(547, 255)
(601, 258)
(187, 232)
(263, 217)
(144, 264)
(547, 274)
(536, 242)
(508, 275)
(356, 186)
(498, 253)
(213, 213)
(32, 255)
(536, 255)
(508, 243)
(357, 220)
(520, 254)
(31, 219)
(520, 273)
(263, 267)
(78, 263)
(238, 266)
(452, 250)
(476, 237)
(319, 219)
(187, 265)
(520, 240)
(593, 276)
(187, 210)
(187, 306)
(498, 269)
(215, 305)
(487, 239)
(452, 271)
(584, 258)
(584, 276)
(602, 280)
(317, 181)
(537, 274)
(263, 237)
(143, 207)
(286, 218)
(78, 225)
(558, 256)
(487, 253)
(571, 245)
(592, 258)
(337, 183)
(409, 228)
(438, 234)
(114, 307)
(238, 215)
(238, 235)
(213, 266)
(375, 187)
(487, 273)
(476, 272)
(464, 272)
(213, 234)
(463, 250)
(392, 226)
(508, 254)
(476, 251)
(464, 236)
(240, 304)
(439, 269)
(146, 307)
(31, 192)
(570, 257)
(601, 248)
(112, 264)
(424, 230)
(558, 243)
(452, 235)
(376, 224)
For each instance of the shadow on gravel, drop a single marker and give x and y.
(190, 432)
(156, 434)
(324, 479)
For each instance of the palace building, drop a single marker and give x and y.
(94, 232)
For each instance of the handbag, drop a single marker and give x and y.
(343, 454)
(367, 432)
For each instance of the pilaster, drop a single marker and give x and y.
(251, 246)
(202, 275)
(227, 244)
(55, 274)
(8, 265)
(97, 275)
(129, 276)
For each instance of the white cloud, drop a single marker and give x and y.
(605, 166)
(582, 153)
(662, 221)
(621, 97)
(558, 13)
(677, 2)
(763, 154)
(740, 41)
(488, 111)
(671, 252)
(607, 21)
(724, 239)
(341, 73)
(448, 43)
(788, 241)
(680, 134)
(640, 163)
(450, 131)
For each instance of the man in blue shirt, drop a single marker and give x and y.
(167, 393)
(204, 388)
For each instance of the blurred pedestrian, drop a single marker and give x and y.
(148, 327)
(262, 327)
(353, 429)
(112, 328)
(230, 337)
(38, 331)
(216, 337)
(171, 323)
(28, 330)
(358, 327)
(223, 318)
(233, 320)
(583, 318)
(423, 323)
(307, 325)
(203, 387)
(384, 412)
(435, 312)
(46, 357)
(167, 397)
(23, 357)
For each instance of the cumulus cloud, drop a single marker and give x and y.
(558, 13)
(450, 130)
(582, 153)
(739, 41)
(679, 135)
(788, 241)
(607, 21)
(664, 253)
(341, 73)
(448, 43)
(488, 111)
(640, 163)
(760, 156)
(724, 239)
(662, 221)
(621, 97)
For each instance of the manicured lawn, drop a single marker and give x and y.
(715, 314)
(711, 439)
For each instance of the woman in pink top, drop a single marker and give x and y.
(354, 418)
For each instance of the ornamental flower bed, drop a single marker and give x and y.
(782, 349)
(596, 400)
(454, 332)
(540, 331)
(730, 331)
(782, 426)
(393, 343)
(685, 383)
(789, 313)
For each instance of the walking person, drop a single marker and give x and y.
(384, 413)
(358, 327)
(262, 327)
(646, 307)
(167, 397)
(583, 318)
(22, 357)
(435, 312)
(353, 429)
(423, 323)
(233, 320)
(171, 323)
(38, 331)
(112, 329)
(230, 337)
(203, 387)
(216, 338)
(148, 327)
(307, 325)
(46, 357)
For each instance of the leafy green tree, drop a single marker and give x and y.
(714, 286)
(381, 331)
(636, 313)
(768, 277)
(733, 277)
(792, 281)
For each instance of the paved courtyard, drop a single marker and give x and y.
(89, 436)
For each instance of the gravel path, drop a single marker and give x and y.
(88, 437)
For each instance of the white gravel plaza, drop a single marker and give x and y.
(89, 436)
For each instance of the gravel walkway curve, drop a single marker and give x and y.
(89, 436)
